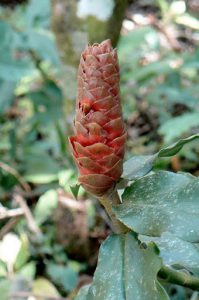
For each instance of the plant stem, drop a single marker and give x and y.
(179, 277)
(107, 201)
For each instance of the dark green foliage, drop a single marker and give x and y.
(159, 88)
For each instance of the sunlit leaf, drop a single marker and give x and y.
(45, 288)
(3, 270)
(40, 169)
(5, 286)
(45, 206)
(28, 270)
(23, 253)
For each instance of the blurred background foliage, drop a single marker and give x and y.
(49, 241)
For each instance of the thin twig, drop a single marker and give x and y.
(172, 41)
(10, 213)
(14, 172)
(26, 194)
(72, 204)
(27, 213)
(8, 226)
(36, 296)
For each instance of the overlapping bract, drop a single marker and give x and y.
(98, 144)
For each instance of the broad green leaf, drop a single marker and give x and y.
(62, 275)
(177, 126)
(16, 284)
(176, 252)
(162, 202)
(3, 269)
(65, 176)
(20, 284)
(50, 98)
(132, 41)
(14, 70)
(163, 5)
(11, 68)
(28, 271)
(121, 271)
(42, 286)
(23, 253)
(188, 21)
(40, 169)
(152, 69)
(7, 94)
(5, 286)
(41, 41)
(45, 206)
(173, 95)
(138, 166)
(37, 14)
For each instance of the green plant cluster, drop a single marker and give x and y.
(37, 101)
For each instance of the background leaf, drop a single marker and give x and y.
(176, 147)
(140, 165)
(5, 286)
(42, 286)
(45, 206)
(28, 270)
(177, 126)
(62, 275)
(23, 253)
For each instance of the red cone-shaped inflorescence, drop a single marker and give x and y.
(98, 144)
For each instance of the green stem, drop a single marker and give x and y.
(179, 277)
(107, 201)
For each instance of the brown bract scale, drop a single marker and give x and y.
(99, 140)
